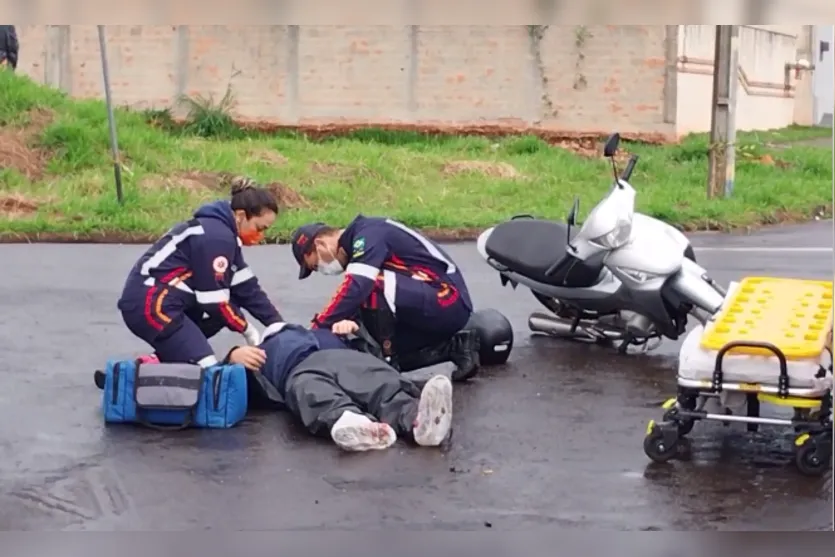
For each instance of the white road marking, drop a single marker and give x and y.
(764, 249)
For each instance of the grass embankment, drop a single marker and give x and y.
(56, 179)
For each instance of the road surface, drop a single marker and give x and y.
(551, 439)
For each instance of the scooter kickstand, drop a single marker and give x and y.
(625, 344)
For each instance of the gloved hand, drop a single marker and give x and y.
(252, 336)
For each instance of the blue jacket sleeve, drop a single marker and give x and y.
(360, 276)
(211, 260)
(247, 293)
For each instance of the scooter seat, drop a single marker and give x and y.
(530, 246)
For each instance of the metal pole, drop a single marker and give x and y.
(111, 120)
(723, 121)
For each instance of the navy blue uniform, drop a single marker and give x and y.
(419, 282)
(192, 283)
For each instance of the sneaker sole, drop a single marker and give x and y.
(361, 438)
(434, 416)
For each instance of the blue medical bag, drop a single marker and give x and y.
(174, 396)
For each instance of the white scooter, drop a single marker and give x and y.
(624, 278)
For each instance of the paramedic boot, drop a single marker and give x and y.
(461, 350)
(464, 353)
(380, 325)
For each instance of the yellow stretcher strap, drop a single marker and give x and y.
(793, 315)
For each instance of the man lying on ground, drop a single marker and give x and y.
(360, 401)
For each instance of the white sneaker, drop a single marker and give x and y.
(355, 432)
(434, 416)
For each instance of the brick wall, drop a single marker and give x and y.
(571, 78)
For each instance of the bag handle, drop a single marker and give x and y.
(189, 420)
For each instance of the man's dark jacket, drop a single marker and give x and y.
(9, 45)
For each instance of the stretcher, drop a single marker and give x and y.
(771, 343)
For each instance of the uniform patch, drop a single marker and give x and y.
(359, 247)
(220, 264)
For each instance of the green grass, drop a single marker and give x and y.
(398, 174)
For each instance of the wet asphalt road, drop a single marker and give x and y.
(551, 439)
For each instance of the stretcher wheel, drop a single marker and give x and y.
(661, 442)
(813, 457)
(685, 426)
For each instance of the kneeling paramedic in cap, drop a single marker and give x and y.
(193, 282)
(405, 289)
(361, 402)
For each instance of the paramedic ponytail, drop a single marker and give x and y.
(247, 196)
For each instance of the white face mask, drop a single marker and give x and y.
(332, 267)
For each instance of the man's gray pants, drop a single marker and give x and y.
(330, 382)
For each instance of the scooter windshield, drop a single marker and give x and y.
(612, 214)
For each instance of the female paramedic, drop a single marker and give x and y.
(360, 402)
(193, 282)
(407, 291)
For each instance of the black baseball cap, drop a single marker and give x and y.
(302, 241)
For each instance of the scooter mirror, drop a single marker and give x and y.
(572, 214)
(611, 145)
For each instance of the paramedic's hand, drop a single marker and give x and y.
(252, 336)
(250, 357)
(345, 327)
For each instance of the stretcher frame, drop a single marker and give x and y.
(812, 406)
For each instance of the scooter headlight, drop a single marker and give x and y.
(618, 237)
(636, 275)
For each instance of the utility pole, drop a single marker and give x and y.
(723, 120)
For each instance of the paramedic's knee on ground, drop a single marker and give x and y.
(418, 325)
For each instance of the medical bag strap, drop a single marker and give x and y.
(187, 421)
(782, 381)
